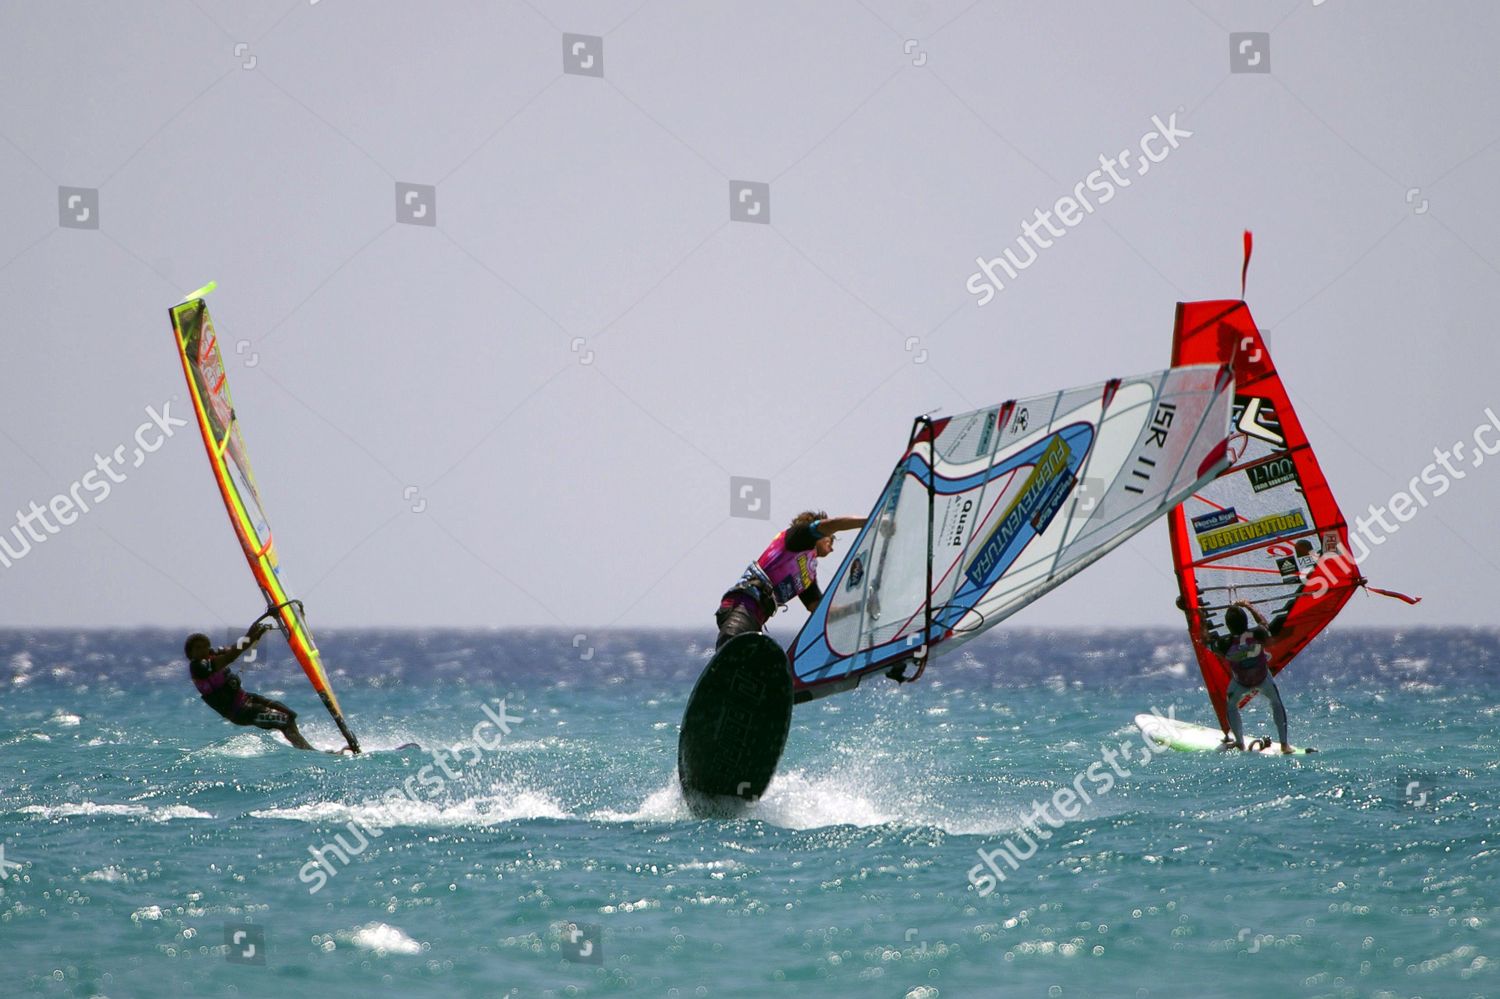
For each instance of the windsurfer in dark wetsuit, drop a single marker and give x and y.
(221, 690)
(1244, 650)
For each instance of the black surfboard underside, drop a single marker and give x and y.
(735, 726)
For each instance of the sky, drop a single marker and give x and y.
(512, 295)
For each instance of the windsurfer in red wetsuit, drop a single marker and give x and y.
(220, 688)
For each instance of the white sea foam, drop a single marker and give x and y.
(1176, 670)
(382, 939)
(109, 875)
(665, 804)
(802, 801)
(872, 794)
(242, 746)
(796, 802)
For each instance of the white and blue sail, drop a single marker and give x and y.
(988, 510)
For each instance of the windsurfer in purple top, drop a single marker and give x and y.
(787, 568)
(220, 688)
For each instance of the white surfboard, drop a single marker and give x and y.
(1185, 737)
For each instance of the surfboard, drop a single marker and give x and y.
(1185, 737)
(735, 727)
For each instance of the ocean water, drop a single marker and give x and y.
(163, 852)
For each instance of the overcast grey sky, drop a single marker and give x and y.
(530, 412)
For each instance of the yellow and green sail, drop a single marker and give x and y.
(203, 366)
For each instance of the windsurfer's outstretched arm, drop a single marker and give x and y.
(830, 526)
(223, 657)
(821, 530)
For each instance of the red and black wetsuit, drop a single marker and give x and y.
(787, 568)
(221, 690)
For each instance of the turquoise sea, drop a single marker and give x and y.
(163, 852)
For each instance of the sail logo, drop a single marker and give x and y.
(856, 571)
(1214, 521)
(1261, 529)
(210, 365)
(208, 343)
(986, 431)
(1272, 474)
(1039, 499)
(1256, 417)
(956, 536)
(1161, 427)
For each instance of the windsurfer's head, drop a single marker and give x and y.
(806, 517)
(1236, 621)
(197, 646)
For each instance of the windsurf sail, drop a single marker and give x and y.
(1267, 529)
(202, 363)
(988, 510)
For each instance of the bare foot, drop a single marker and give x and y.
(1287, 750)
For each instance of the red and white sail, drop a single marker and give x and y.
(1267, 529)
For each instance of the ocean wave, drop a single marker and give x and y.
(70, 810)
(242, 747)
(384, 813)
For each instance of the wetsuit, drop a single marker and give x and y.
(1249, 671)
(787, 568)
(221, 690)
